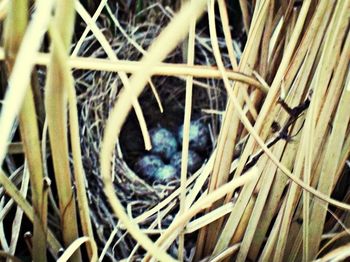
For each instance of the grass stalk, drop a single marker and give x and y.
(56, 106)
(190, 47)
(160, 69)
(14, 193)
(17, 221)
(19, 79)
(76, 151)
(18, 11)
(228, 131)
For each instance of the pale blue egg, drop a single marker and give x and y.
(166, 173)
(199, 136)
(164, 143)
(147, 165)
(194, 161)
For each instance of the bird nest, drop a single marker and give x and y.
(97, 92)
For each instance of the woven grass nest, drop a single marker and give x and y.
(97, 92)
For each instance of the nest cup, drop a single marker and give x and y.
(97, 93)
(132, 188)
(166, 134)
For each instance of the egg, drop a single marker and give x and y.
(198, 137)
(147, 165)
(164, 143)
(165, 173)
(194, 161)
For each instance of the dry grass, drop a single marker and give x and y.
(275, 185)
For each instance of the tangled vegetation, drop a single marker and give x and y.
(83, 83)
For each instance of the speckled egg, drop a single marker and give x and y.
(194, 161)
(164, 143)
(147, 165)
(165, 173)
(198, 137)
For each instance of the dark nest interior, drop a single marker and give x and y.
(98, 91)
